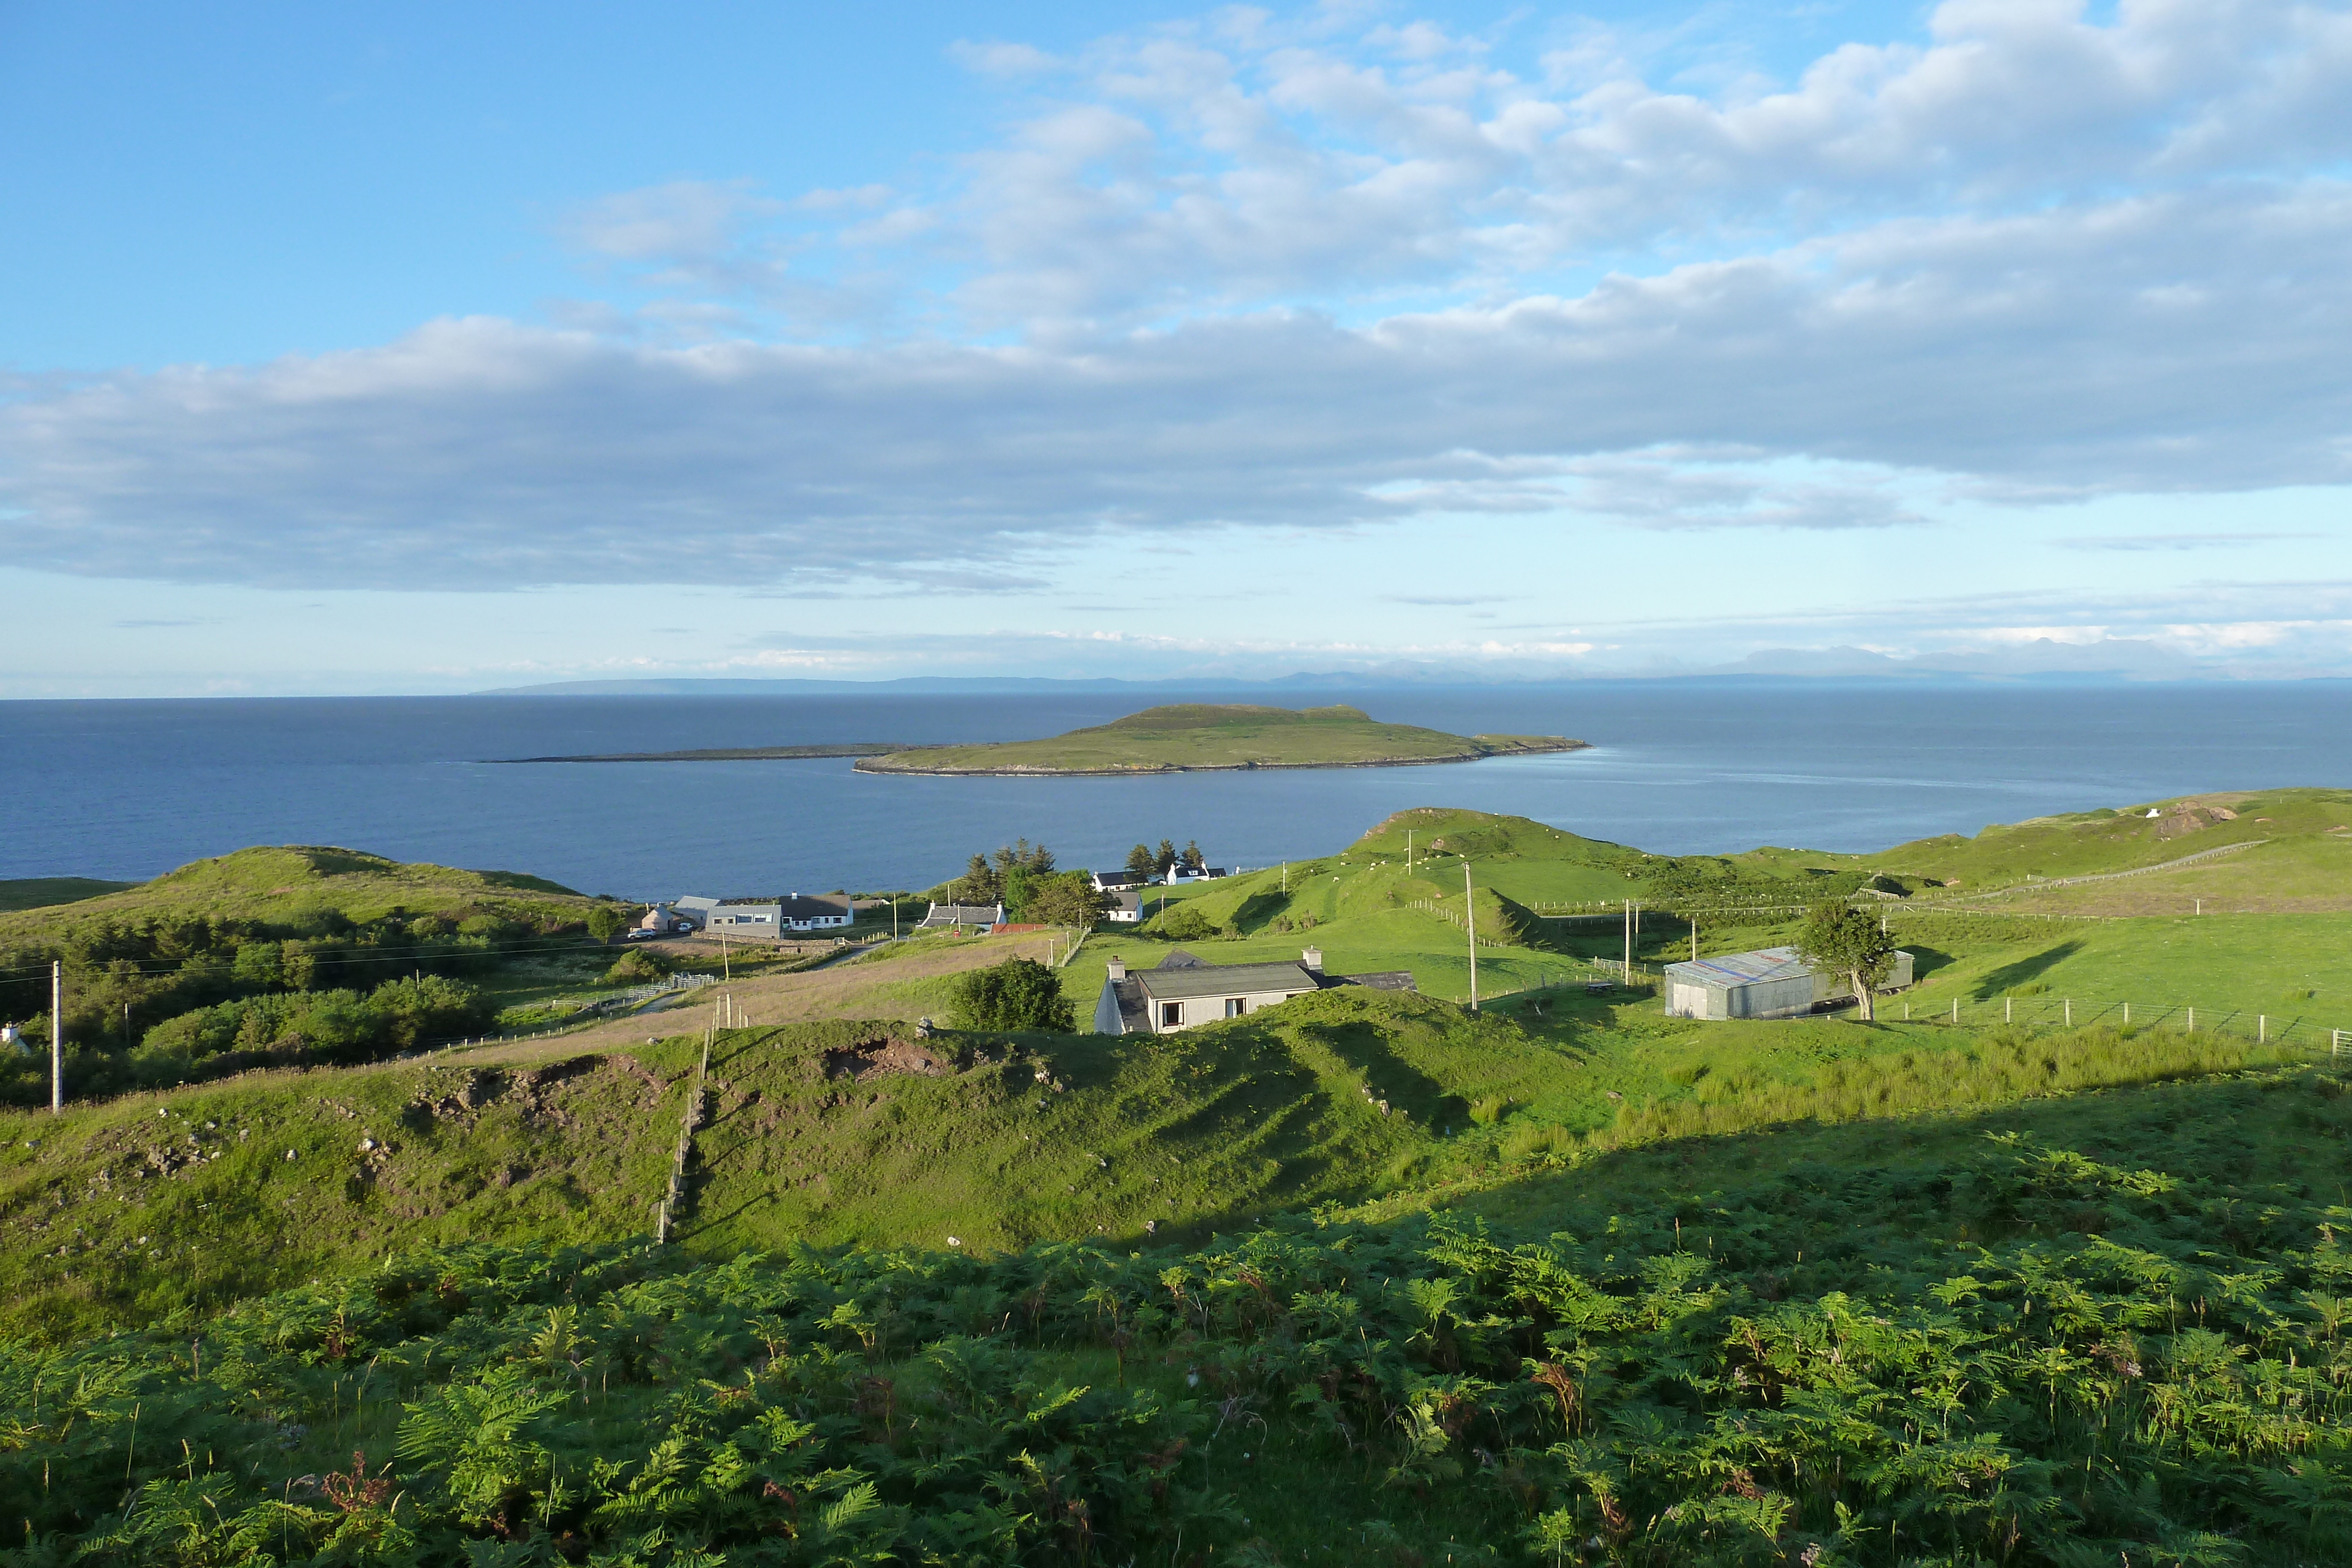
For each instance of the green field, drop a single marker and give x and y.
(1188, 737)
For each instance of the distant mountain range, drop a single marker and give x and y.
(2041, 660)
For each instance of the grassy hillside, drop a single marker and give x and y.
(1194, 735)
(265, 924)
(2113, 839)
(1362, 1278)
(827, 1132)
(2088, 1332)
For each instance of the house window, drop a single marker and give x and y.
(1170, 1014)
(1236, 1006)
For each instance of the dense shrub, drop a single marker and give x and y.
(332, 1026)
(1184, 923)
(636, 967)
(1018, 994)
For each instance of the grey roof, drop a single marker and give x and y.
(1225, 980)
(797, 907)
(1741, 968)
(1181, 960)
(960, 915)
(1378, 979)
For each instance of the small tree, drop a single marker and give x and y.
(1141, 862)
(1068, 898)
(978, 884)
(1165, 861)
(1020, 993)
(607, 921)
(1848, 942)
(1192, 859)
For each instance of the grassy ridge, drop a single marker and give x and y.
(2113, 839)
(1191, 736)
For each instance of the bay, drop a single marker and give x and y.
(130, 788)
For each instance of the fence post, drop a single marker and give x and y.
(2193, 1021)
(2006, 1003)
(1956, 1009)
(2262, 1028)
(2070, 1012)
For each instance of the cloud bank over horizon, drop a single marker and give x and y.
(1274, 279)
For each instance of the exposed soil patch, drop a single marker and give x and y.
(874, 1059)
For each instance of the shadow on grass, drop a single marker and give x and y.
(2025, 971)
(2289, 1128)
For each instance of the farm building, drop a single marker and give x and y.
(1183, 991)
(1771, 983)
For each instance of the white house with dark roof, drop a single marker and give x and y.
(1183, 991)
(766, 916)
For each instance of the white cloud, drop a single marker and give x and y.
(1321, 272)
(684, 221)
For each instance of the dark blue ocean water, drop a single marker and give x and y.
(128, 789)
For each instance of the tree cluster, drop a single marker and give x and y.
(1155, 864)
(1020, 876)
(988, 879)
(127, 978)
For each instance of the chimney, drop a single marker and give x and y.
(1313, 960)
(1118, 968)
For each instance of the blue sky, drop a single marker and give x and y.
(344, 349)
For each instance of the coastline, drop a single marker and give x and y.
(1152, 769)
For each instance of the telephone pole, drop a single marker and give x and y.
(1470, 918)
(57, 1038)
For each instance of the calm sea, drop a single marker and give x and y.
(128, 789)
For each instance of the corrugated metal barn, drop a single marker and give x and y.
(1770, 983)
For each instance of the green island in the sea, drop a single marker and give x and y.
(1201, 736)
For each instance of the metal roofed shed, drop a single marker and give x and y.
(1769, 983)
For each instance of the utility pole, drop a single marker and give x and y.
(1407, 850)
(1470, 918)
(726, 966)
(1694, 939)
(57, 1038)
